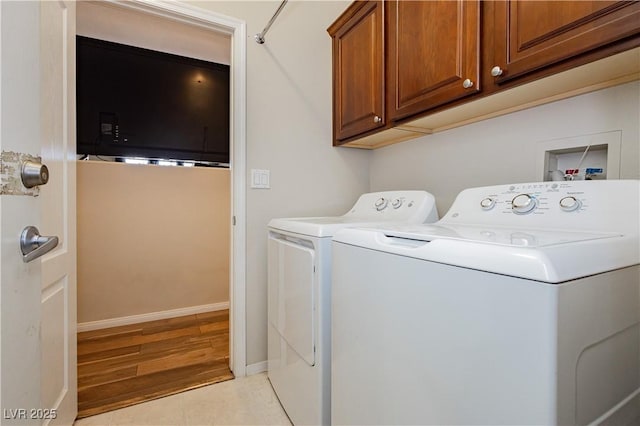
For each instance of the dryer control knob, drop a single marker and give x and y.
(569, 204)
(381, 203)
(397, 203)
(487, 203)
(523, 203)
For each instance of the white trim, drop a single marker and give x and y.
(258, 367)
(238, 320)
(151, 316)
(184, 13)
(238, 30)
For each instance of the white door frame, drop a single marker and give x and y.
(237, 30)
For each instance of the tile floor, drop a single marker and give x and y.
(245, 401)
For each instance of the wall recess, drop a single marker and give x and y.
(595, 156)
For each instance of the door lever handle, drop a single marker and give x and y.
(34, 245)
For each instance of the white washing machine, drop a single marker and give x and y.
(520, 306)
(299, 300)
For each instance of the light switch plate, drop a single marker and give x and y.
(260, 179)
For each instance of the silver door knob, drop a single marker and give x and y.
(33, 245)
(377, 119)
(496, 71)
(34, 174)
(467, 83)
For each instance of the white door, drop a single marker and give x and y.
(38, 299)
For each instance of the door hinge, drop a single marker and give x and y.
(234, 221)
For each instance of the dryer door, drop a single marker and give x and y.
(291, 293)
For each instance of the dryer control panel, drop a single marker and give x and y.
(400, 206)
(609, 205)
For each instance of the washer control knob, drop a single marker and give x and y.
(381, 203)
(523, 203)
(397, 203)
(569, 204)
(487, 203)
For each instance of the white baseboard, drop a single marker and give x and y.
(256, 368)
(152, 316)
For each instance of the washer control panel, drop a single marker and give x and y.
(536, 198)
(584, 205)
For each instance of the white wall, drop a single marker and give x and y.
(289, 132)
(504, 149)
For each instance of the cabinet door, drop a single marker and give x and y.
(358, 70)
(433, 54)
(530, 35)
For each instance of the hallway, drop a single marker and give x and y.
(122, 366)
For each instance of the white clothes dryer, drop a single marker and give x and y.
(520, 306)
(299, 296)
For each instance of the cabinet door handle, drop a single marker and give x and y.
(377, 119)
(467, 84)
(496, 71)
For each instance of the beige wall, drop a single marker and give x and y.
(150, 238)
(506, 149)
(289, 133)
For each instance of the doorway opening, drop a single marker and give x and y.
(204, 314)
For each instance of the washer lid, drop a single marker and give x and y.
(542, 255)
(493, 235)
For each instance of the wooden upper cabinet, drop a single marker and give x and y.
(398, 64)
(531, 35)
(358, 70)
(434, 56)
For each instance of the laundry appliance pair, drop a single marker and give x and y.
(520, 306)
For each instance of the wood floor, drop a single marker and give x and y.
(122, 366)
